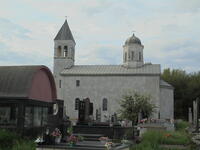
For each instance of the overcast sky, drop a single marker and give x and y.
(168, 29)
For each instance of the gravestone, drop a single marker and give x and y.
(194, 113)
(85, 110)
(190, 115)
(98, 115)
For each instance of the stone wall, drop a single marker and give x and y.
(110, 87)
(166, 103)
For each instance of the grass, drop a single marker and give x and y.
(151, 140)
(181, 125)
(167, 137)
(24, 145)
(12, 141)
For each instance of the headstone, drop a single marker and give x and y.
(115, 118)
(194, 113)
(87, 109)
(190, 115)
(81, 112)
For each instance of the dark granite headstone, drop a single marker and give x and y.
(85, 111)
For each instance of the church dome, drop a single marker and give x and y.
(133, 40)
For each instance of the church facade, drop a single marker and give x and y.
(105, 84)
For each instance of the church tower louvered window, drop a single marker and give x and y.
(105, 104)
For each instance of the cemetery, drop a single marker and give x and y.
(36, 113)
(132, 106)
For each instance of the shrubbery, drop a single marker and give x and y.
(151, 140)
(7, 139)
(181, 125)
(11, 141)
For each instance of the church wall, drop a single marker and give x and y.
(110, 87)
(166, 103)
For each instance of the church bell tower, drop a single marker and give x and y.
(133, 53)
(64, 49)
(64, 52)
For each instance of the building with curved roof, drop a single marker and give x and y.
(27, 94)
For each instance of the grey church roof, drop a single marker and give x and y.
(15, 81)
(165, 84)
(111, 70)
(64, 33)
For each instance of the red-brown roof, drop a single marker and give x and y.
(30, 82)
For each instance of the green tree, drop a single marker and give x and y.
(186, 89)
(133, 103)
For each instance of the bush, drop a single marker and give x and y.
(152, 139)
(11, 141)
(24, 145)
(167, 137)
(7, 139)
(181, 125)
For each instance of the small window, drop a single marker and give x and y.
(72, 54)
(77, 83)
(65, 51)
(60, 83)
(65, 48)
(140, 56)
(105, 104)
(77, 103)
(8, 115)
(125, 56)
(132, 55)
(59, 51)
(36, 116)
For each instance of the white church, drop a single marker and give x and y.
(105, 84)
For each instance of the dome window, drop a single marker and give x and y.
(140, 56)
(125, 56)
(132, 55)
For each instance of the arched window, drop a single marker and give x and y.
(59, 51)
(125, 56)
(65, 51)
(140, 56)
(77, 103)
(105, 104)
(132, 55)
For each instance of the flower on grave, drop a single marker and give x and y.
(124, 141)
(143, 120)
(108, 145)
(103, 138)
(72, 139)
(167, 135)
(56, 133)
(80, 138)
(39, 140)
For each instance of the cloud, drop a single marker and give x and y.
(18, 45)
(9, 30)
(169, 30)
(185, 5)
